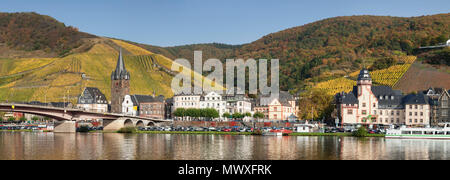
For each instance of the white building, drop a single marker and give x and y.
(230, 104)
(186, 101)
(214, 101)
(238, 103)
(130, 106)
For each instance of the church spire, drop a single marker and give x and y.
(120, 72)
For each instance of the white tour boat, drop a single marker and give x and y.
(420, 133)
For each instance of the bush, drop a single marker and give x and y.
(83, 129)
(257, 132)
(361, 132)
(128, 129)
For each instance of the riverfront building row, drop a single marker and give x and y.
(381, 105)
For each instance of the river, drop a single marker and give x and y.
(34, 145)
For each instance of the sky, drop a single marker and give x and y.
(180, 22)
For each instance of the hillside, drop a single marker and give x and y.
(39, 55)
(32, 34)
(66, 61)
(330, 48)
(29, 79)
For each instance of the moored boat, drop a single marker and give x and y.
(420, 133)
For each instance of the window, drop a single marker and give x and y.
(374, 105)
(415, 113)
(410, 120)
(363, 104)
(398, 113)
(421, 120)
(364, 112)
(381, 112)
(392, 112)
(415, 106)
(415, 120)
(421, 113)
(398, 120)
(444, 112)
(375, 112)
(350, 111)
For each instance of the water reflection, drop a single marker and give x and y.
(27, 145)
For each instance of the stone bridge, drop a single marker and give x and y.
(67, 117)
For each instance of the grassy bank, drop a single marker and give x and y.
(22, 130)
(333, 134)
(194, 132)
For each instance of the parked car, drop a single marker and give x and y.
(212, 129)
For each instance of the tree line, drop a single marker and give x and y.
(210, 113)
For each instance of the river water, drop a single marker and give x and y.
(31, 145)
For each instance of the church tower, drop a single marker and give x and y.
(120, 85)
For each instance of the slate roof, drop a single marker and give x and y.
(364, 75)
(415, 99)
(97, 96)
(387, 97)
(346, 98)
(284, 98)
(147, 99)
(120, 72)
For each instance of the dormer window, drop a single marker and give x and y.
(381, 97)
(386, 97)
(392, 97)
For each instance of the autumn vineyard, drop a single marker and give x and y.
(388, 77)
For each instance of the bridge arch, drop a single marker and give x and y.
(128, 123)
(139, 123)
(151, 123)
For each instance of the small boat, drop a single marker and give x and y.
(272, 134)
(420, 133)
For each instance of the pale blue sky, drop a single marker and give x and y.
(179, 22)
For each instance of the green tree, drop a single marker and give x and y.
(180, 112)
(226, 115)
(214, 113)
(361, 132)
(258, 115)
(23, 119)
(34, 118)
(11, 119)
(237, 115)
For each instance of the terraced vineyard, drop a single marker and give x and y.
(51, 79)
(388, 77)
(336, 85)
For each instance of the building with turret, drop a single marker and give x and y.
(120, 85)
(381, 105)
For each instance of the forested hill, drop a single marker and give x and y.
(31, 32)
(331, 47)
